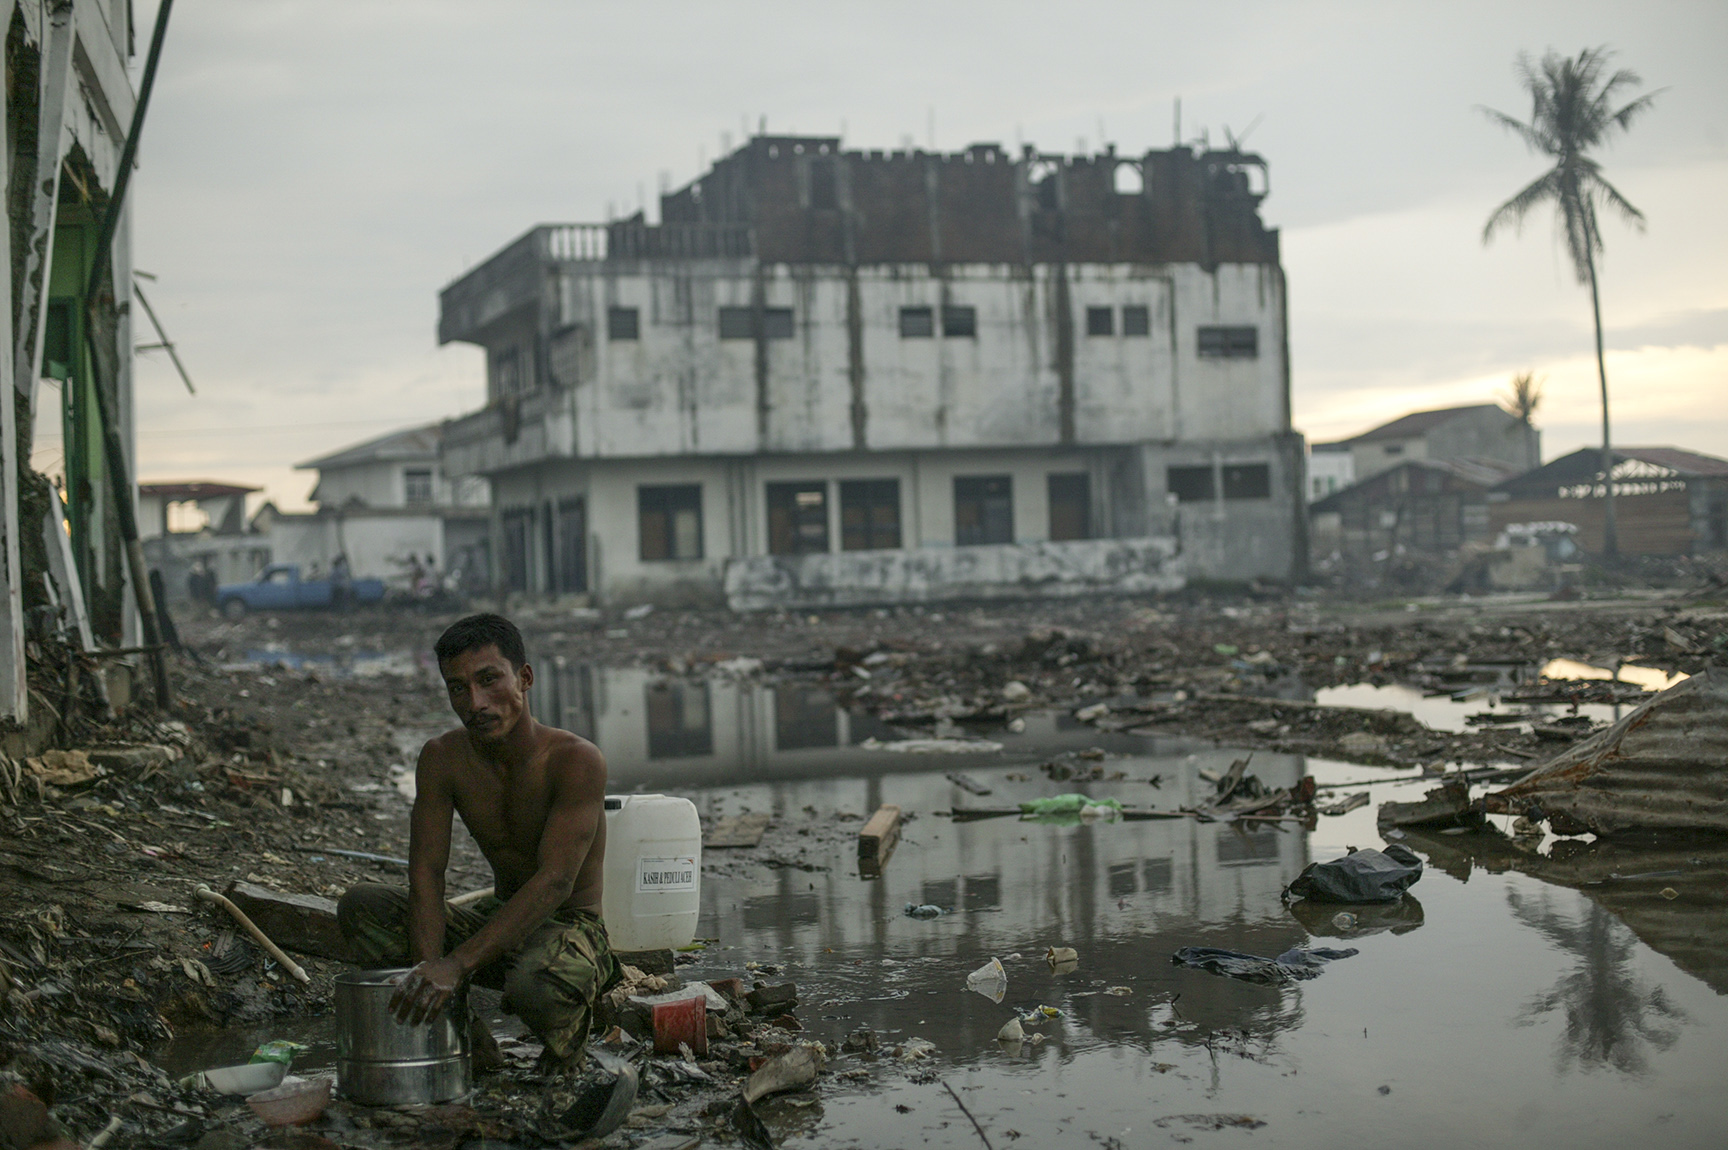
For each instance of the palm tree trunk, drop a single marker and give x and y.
(1610, 534)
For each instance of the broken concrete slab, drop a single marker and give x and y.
(1664, 766)
(300, 922)
(661, 962)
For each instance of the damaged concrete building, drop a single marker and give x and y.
(831, 377)
(68, 341)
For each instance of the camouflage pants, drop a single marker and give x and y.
(550, 982)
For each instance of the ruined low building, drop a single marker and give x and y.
(1667, 501)
(1396, 524)
(1481, 433)
(387, 505)
(199, 526)
(67, 344)
(831, 377)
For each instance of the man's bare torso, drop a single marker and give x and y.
(505, 810)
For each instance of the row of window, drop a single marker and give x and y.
(958, 321)
(670, 517)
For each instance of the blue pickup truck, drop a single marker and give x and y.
(279, 588)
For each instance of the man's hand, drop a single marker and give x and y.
(424, 991)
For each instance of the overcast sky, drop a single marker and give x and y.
(314, 171)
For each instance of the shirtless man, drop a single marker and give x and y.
(533, 797)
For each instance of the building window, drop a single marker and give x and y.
(515, 526)
(959, 322)
(679, 726)
(797, 518)
(917, 323)
(1393, 449)
(1070, 507)
(1230, 342)
(417, 486)
(1136, 319)
(506, 373)
(671, 522)
(1247, 481)
(623, 323)
(983, 509)
(1189, 484)
(869, 514)
(572, 545)
(1100, 321)
(740, 322)
(823, 193)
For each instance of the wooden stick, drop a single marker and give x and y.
(985, 1138)
(207, 895)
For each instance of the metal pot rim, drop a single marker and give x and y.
(380, 977)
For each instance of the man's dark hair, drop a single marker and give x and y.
(486, 630)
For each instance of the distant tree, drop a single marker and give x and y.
(1572, 111)
(1523, 396)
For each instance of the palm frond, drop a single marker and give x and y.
(1624, 117)
(1531, 137)
(1610, 195)
(1545, 188)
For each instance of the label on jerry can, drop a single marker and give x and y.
(665, 874)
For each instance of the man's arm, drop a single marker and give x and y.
(577, 774)
(428, 856)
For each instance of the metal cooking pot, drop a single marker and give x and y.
(382, 1062)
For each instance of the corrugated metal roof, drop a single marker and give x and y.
(1664, 766)
(1483, 473)
(1676, 459)
(1585, 466)
(414, 443)
(195, 489)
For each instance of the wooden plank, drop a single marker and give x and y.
(876, 842)
(738, 831)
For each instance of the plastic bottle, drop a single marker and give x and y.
(653, 884)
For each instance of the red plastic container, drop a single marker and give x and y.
(685, 1021)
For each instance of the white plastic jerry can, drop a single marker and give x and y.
(653, 885)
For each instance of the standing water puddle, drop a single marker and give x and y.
(1514, 999)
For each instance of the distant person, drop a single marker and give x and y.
(534, 799)
(201, 584)
(341, 584)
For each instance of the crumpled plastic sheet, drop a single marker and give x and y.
(1362, 876)
(1294, 965)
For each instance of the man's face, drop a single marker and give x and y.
(487, 693)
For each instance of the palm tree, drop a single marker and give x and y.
(1572, 112)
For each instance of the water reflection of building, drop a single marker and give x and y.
(704, 731)
(1124, 894)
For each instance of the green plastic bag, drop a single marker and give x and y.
(1069, 804)
(280, 1050)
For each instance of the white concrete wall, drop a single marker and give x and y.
(383, 483)
(934, 574)
(680, 389)
(377, 545)
(1234, 539)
